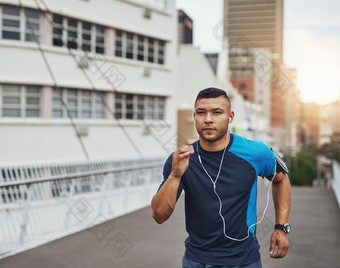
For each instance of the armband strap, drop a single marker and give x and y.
(280, 164)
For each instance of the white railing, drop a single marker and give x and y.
(44, 202)
(336, 180)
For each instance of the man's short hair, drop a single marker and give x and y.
(212, 92)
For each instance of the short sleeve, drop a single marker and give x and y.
(268, 162)
(166, 172)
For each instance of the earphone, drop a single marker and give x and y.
(220, 201)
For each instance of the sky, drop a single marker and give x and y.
(311, 41)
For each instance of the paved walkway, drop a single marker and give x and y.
(135, 240)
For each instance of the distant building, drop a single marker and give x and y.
(255, 32)
(213, 60)
(311, 124)
(330, 122)
(185, 28)
(255, 23)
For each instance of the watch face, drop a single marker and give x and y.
(287, 228)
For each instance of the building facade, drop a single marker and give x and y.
(185, 28)
(82, 79)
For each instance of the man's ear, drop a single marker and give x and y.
(231, 116)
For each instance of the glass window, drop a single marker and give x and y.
(100, 33)
(86, 36)
(20, 101)
(150, 50)
(57, 30)
(118, 106)
(99, 105)
(71, 102)
(32, 101)
(129, 45)
(72, 33)
(11, 22)
(161, 47)
(150, 107)
(161, 107)
(85, 104)
(129, 106)
(11, 101)
(140, 52)
(32, 29)
(57, 103)
(119, 46)
(140, 107)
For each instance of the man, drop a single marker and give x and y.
(219, 176)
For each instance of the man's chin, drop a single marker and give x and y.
(209, 138)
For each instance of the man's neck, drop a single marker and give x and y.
(215, 145)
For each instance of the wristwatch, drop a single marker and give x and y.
(283, 227)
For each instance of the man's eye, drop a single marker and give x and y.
(217, 112)
(200, 112)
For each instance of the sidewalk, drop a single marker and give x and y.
(135, 240)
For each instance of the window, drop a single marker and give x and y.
(119, 106)
(139, 107)
(129, 106)
(99, 105)
(80, 103)
(20, 101)
(150, 107)
(32, 101)
(140, 52)
(161, 107)
(71, 102)
(20, 24)
(11, 22)
(150, 50)
(100, 32)
(129, 45)
(161, 48)
(57, 31)
(78, 35)
(138, 47)
(72, 33)
(119, 44)
(32, 29)
(86, 36)
(57, 103)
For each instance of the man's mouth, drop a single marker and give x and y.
(208, 129)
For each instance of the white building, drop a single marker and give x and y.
(111, 62)
(195, 74)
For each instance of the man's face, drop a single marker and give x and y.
(211, 118)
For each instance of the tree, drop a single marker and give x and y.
(302, 167)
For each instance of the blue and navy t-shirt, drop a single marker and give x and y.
(244, 161)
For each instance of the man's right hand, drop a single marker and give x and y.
(180, 160)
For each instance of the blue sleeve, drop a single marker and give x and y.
(166, 172)
(268, 162)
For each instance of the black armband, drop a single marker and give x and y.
(280, 165)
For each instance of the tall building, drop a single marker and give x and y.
(260, 22)
(254, 30)
(311, 121)
(185, 28)
(249, 26)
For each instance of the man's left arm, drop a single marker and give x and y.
(282, 198)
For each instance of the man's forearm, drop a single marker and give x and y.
(163, 203)
(281, 197)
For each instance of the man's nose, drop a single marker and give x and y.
(208, 118)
